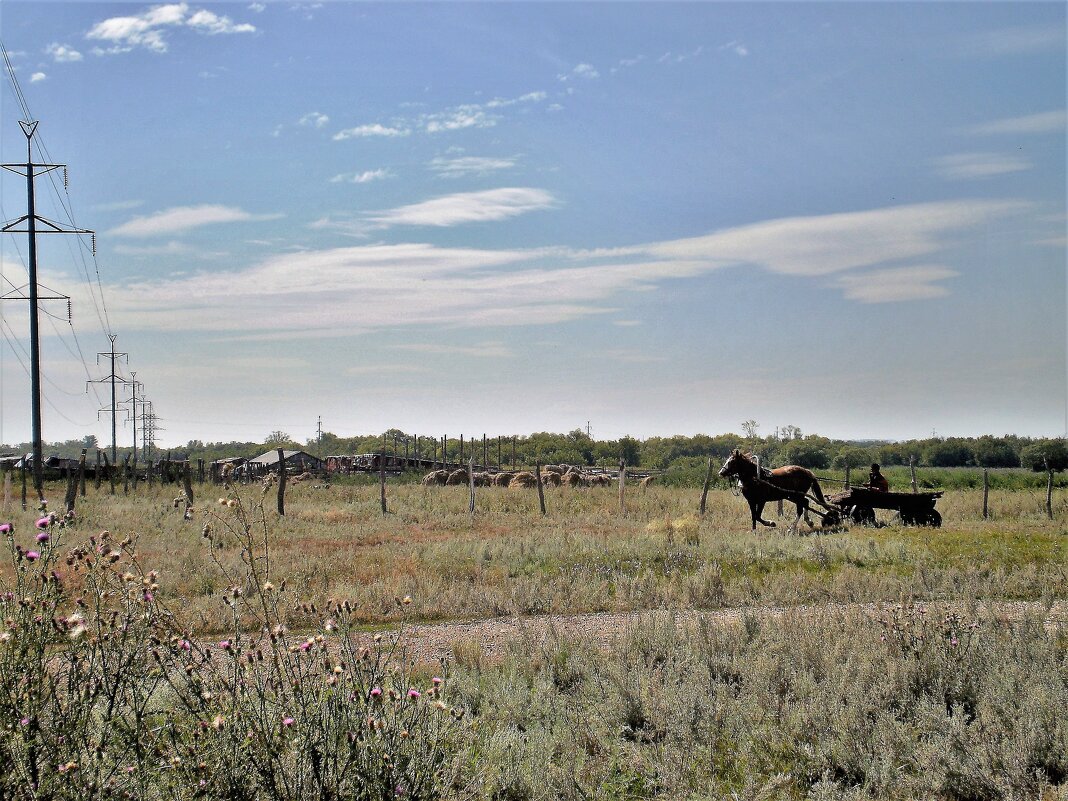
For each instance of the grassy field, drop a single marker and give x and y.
(334, 543)
(811, 705)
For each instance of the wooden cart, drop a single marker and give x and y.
(916, 508)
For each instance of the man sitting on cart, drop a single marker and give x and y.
(877, 481)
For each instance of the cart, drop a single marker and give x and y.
(859, 505)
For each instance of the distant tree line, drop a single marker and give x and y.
(786, 446)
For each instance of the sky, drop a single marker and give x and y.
(501, 218)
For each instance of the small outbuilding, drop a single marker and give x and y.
(296, 462)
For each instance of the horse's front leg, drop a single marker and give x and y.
(758, 515)
(802, 511)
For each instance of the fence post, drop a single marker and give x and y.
(382, 481)
(622, 487)
(200, 471)
(847, 476)
(81, 471)
(471, 487)
(986, 493)
(541, 491)
(110, 472)
(281, 482)
(704, 489)
(24, 484)
(99, 471)
(1049, 489)
(912, 472)
(187, 480)
(126, 474)
(72, 489)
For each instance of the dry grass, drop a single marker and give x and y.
(583, 556)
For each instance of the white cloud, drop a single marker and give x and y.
(258, 8)
(467, 207)
(468, 116)
(1043, 122)
(314, 119)
(582, 70)
(63, 53)
(364, 177)
(735, 47)
(918, 282)
(877, 256)
(487, 350)
(119, 205)
(369, 130)
(148, 29)
(37, 77)
(1015, 40)
(529, 97)
(166, 249)
(970, 166)
(184, 218)
(469, 165)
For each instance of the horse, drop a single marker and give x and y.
(790, 483)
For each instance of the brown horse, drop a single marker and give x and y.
(790, 483)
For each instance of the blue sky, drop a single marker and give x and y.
(462, 218)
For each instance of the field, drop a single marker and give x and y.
(897, 674)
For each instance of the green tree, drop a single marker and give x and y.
(995, 452)
(1046, 452)
(806, 453)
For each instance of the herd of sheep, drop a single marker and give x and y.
(551, 475)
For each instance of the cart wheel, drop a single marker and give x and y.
(863, 515)
(831, 519)
(933, 519)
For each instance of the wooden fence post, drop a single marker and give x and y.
(622, 487)
(200, 471)
(704, 489)
(847, 476)
(72, 489)
(187, 480)
(150, 470)
(126, 474)
(7, 489)
(1049, 489)
(485, 457)
(541, 490)
(382, 481)
(513, 452)
(499, 466)
(471, 487)
(81, 471)
(281, 482)
(24, 485)
(912, 472)
(986, 493)
(99, 470)
(461, 450)
(110, 472)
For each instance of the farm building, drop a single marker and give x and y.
(296, 461)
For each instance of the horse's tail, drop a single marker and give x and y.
(817, 491)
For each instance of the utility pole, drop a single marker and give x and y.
(319, 438)
(588, 429)
(31, 170)
(134, 385)
(113, 378)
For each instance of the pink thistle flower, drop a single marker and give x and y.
(32, 556)
(185, 645)
(414, 693)
(44, 522)
(304, 646)
(6, 528)
(436, 681)
(376, 693)
(43, 537)
(225, 645)
(24, 722)
(287, 721)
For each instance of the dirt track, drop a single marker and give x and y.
(492, 637)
